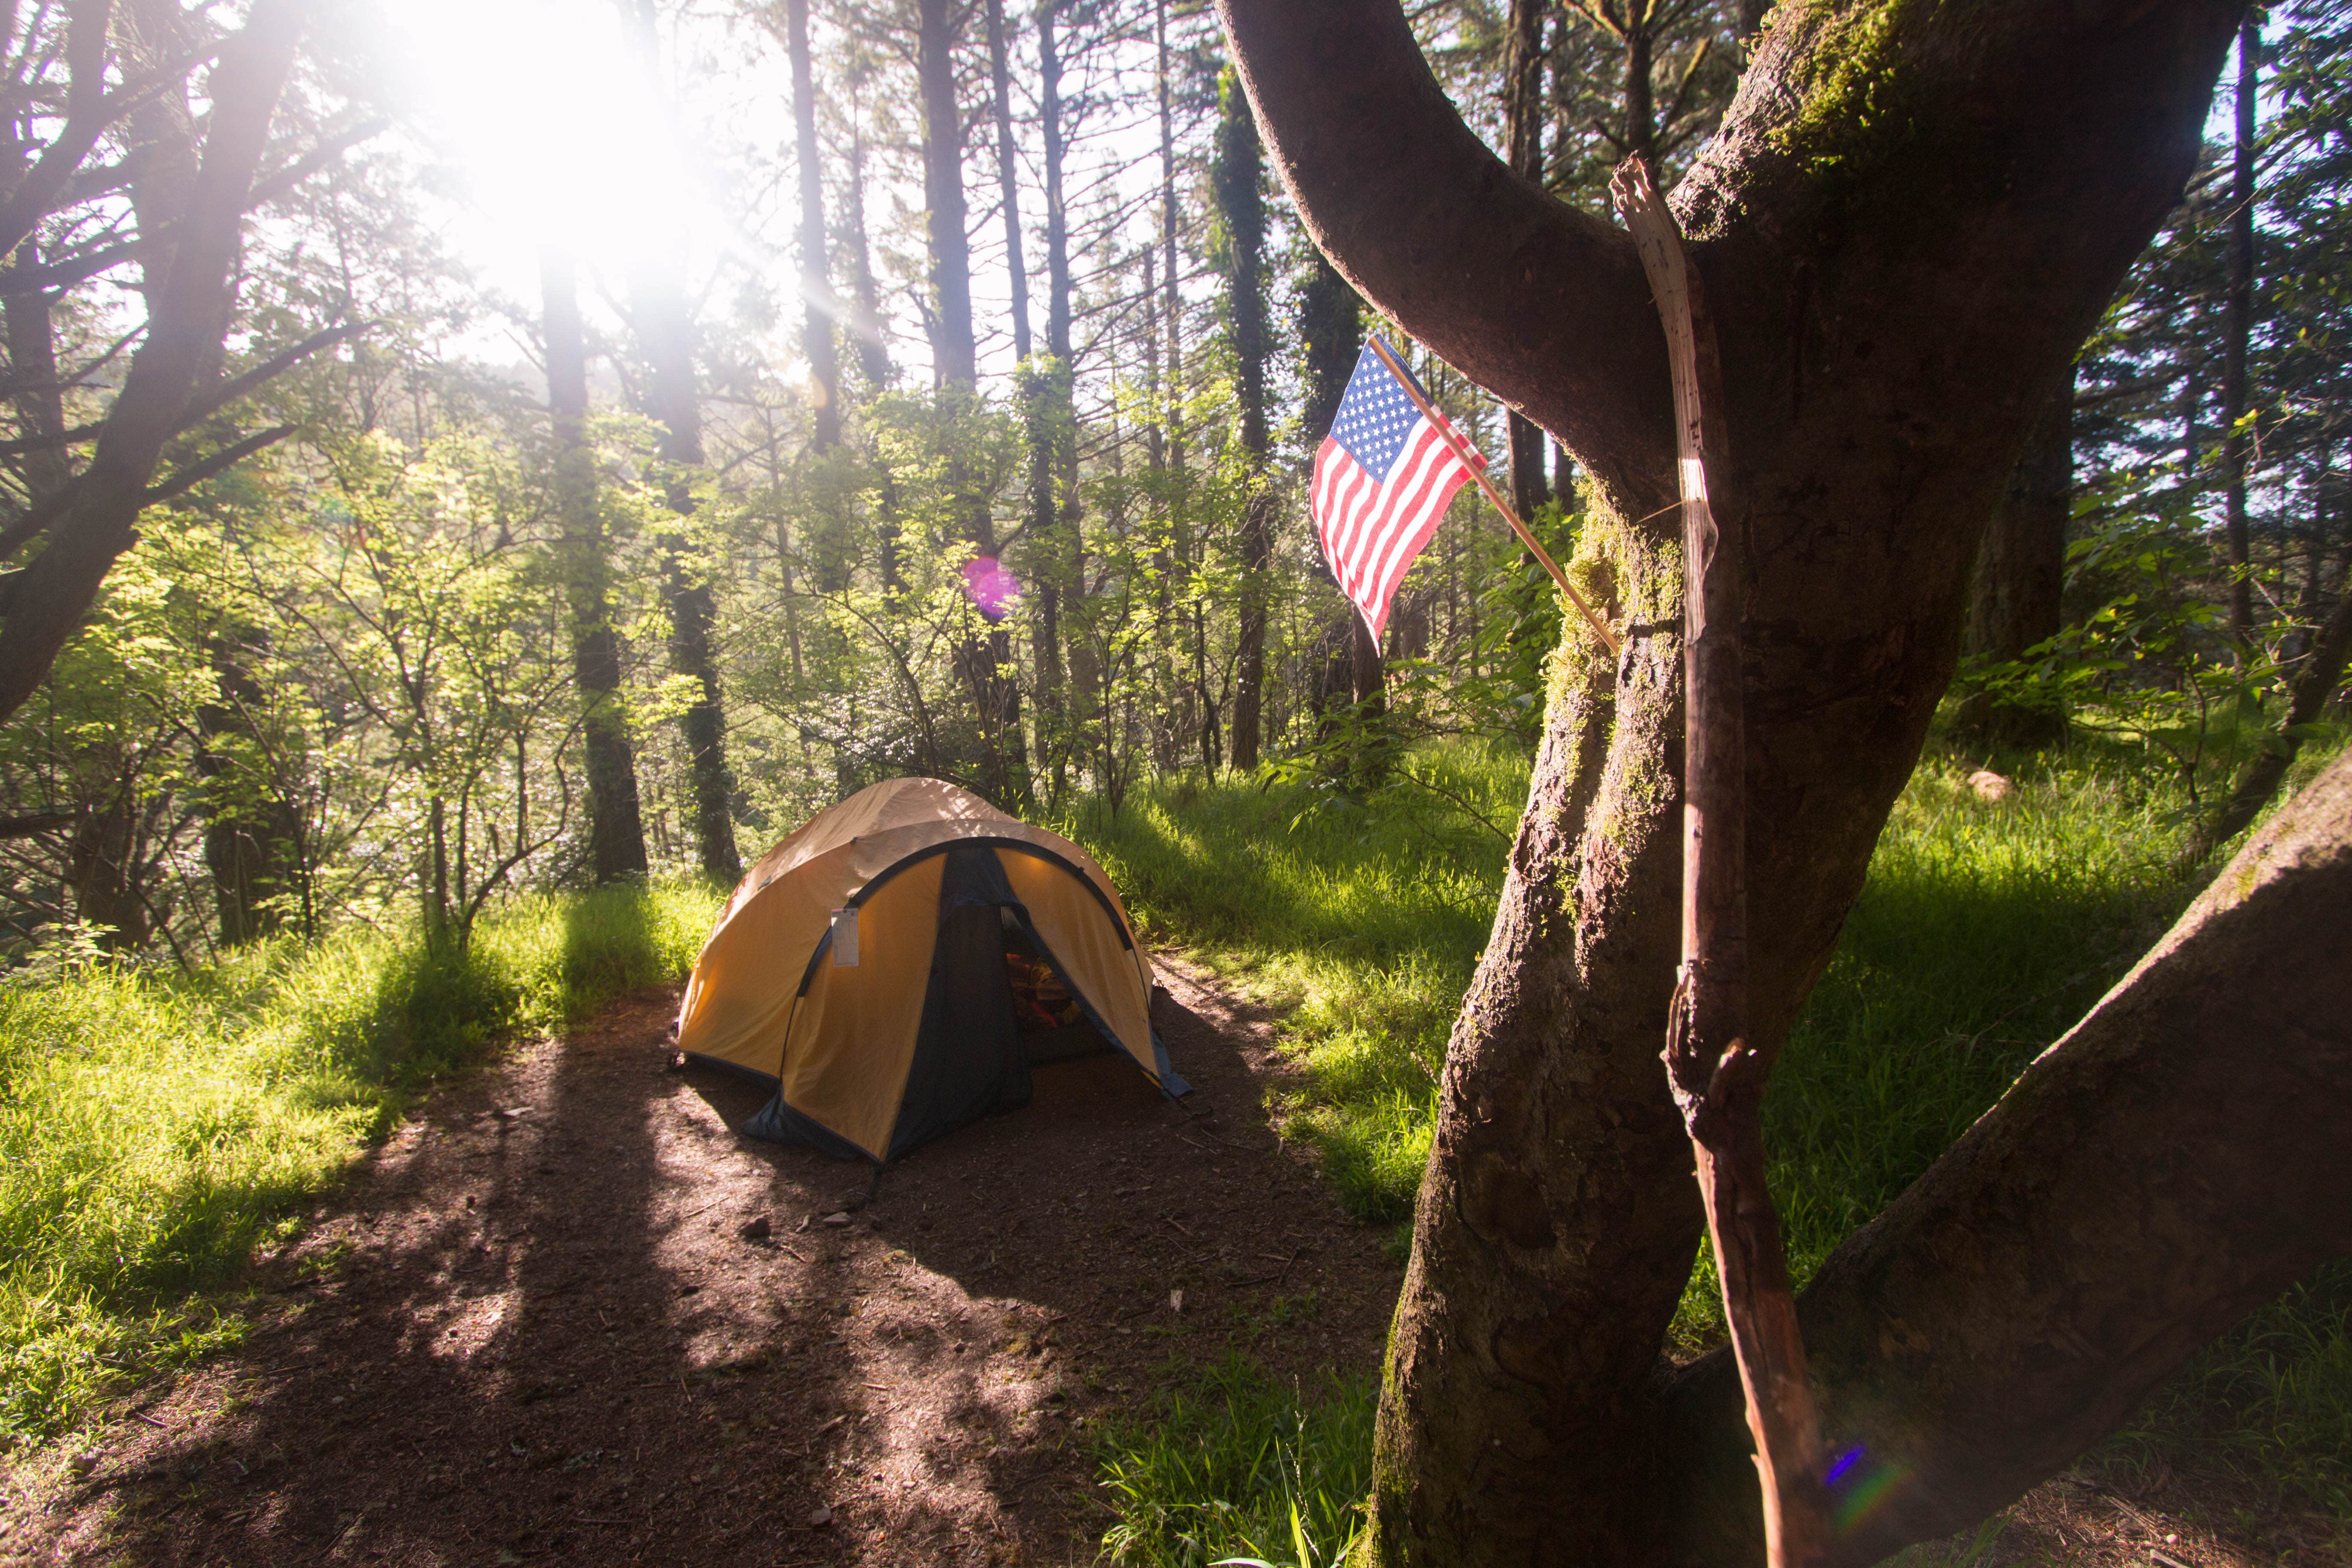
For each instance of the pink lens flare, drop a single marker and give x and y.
(993, 591)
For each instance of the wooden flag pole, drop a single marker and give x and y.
(1478, 472)
(1717, 1070)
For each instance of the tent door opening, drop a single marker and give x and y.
(997, 1004)
(1055, 1024)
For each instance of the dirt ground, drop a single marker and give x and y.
(532, 1325)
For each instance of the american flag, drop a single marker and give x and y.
(1383, 478)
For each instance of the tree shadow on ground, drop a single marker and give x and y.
(534, 1327)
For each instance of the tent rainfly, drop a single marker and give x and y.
(896, 967)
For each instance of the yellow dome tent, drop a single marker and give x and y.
(897, 965)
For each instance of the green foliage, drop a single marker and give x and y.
(155, 1130)
(1363, 915)
(1228, 1465)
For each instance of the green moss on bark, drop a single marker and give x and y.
(1848, 82)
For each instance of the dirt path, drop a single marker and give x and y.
(532, 1325)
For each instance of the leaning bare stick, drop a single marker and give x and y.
(1717, 1073)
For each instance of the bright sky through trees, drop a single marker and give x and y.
(550, 117)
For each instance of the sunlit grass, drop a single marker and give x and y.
(155, 1129)
(1362, 921)
(1227, 1463)
(1986, 930)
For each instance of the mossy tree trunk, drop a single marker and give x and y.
(1910, 218)
(616, 839)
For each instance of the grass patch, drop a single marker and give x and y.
(155, 1129)
(1986, 930)
(1363, 921)
(1228, 1463)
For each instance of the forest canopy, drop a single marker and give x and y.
(558, 502)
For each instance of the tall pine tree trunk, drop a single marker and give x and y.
(2237, 331)
(616, 837)
(666, 335)
(1171, 294)
(253, 835)
(873, 353)
(954, 354)
(1639, 137)
(1240, 205)
(1061, 574)
(817, 339)
(1331, 336)
(955, 360)
(2020, 574)
(1034, 381)
(665, 332)
(1008, 181)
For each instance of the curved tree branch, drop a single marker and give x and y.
(187, 315)
(1543, 305)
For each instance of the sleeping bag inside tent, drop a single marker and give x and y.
(896, 966)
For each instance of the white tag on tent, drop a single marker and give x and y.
(845, 938)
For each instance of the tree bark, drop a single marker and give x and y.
(955, 372)
(250, 829)
(1716, 1068)
(1523, 126)
(665, 333)
(1060, 563)
(2021, 572)
(955, 357)
(2238, 329)
(873, 353)
(1639, 137)
(1894, 296)
(2169, 1165)
(616, 839)
(1237, 178)
(102, 865)
(1173, 298)
(40, 402)
(1008, 184)
(818, 305)
(188, 313)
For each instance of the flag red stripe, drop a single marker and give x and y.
(1426, 468)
